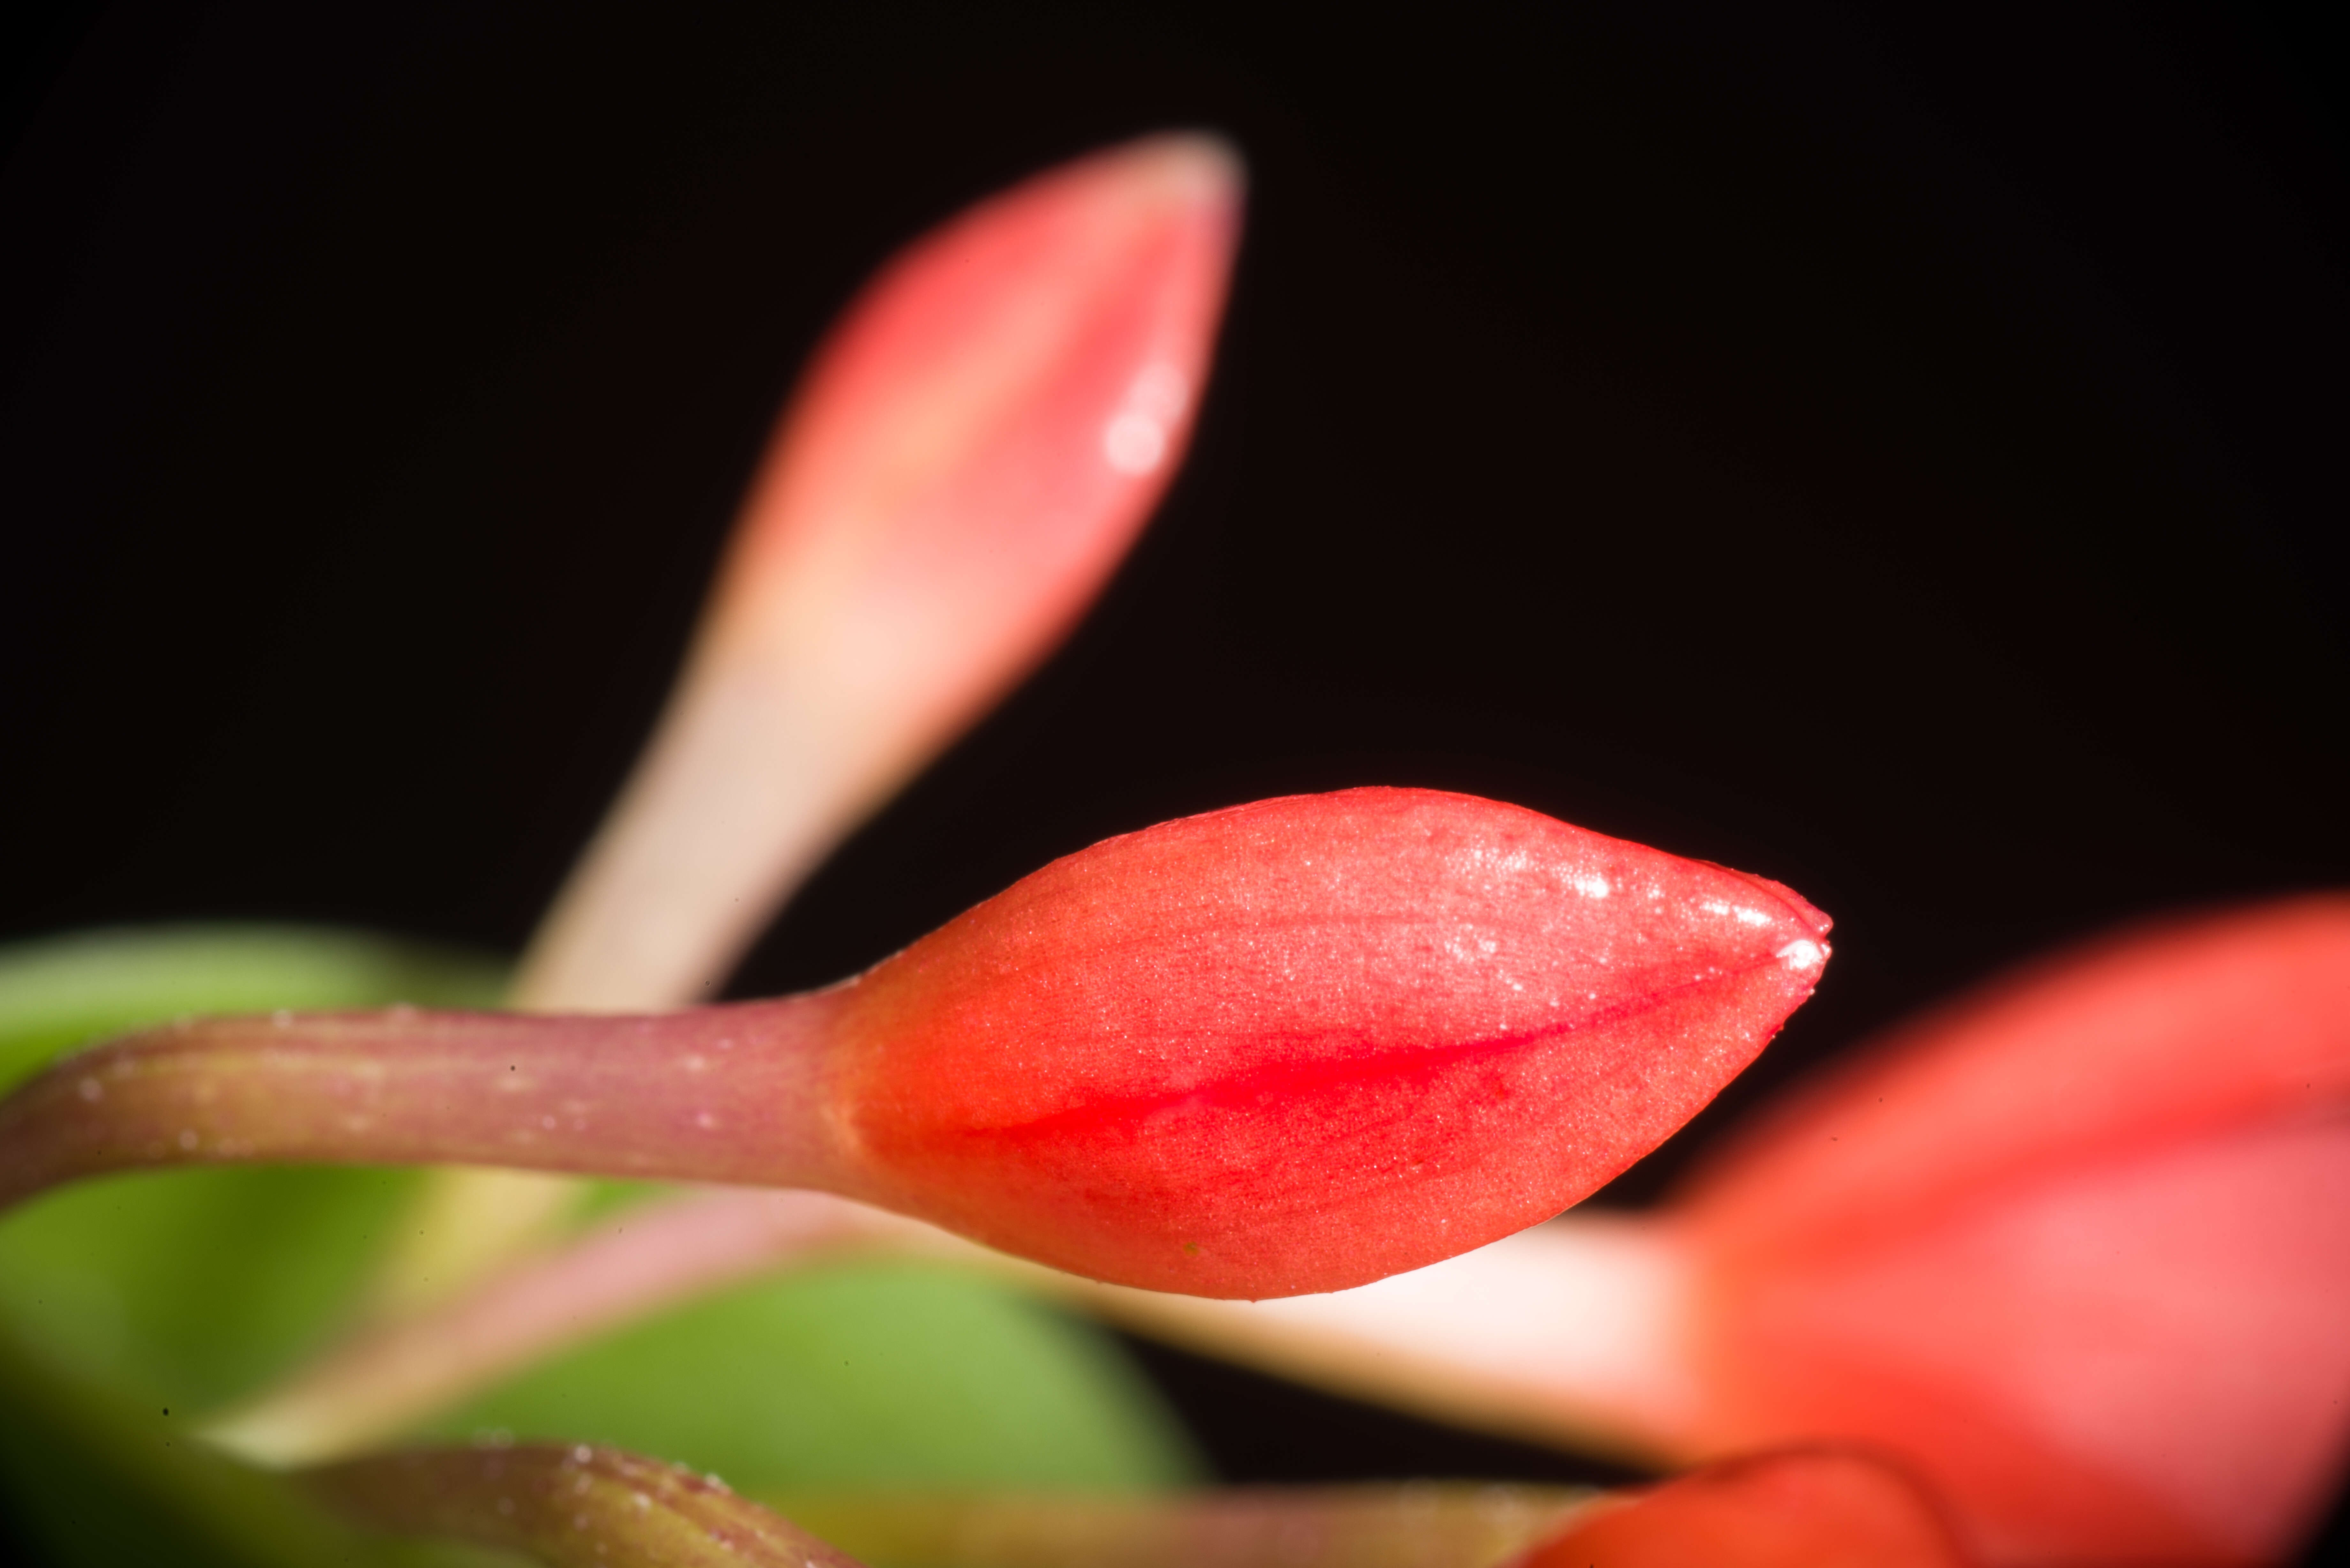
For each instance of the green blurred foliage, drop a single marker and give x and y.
(865, 1375)
(195, 1285)
(124, 1299)
(101, 1478)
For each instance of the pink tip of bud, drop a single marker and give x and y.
(1305, 1044)
(985, 431)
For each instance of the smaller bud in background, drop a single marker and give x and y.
(1805, 1510)
(1284, 1047)
(972, 453)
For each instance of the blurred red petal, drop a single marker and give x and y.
(2076, 1247)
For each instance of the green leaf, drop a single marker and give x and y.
(97, 1477)
(196, 1285)
(867, 1375)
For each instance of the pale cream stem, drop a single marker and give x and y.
(741, 793)
(1570, 1333)
(734, 802)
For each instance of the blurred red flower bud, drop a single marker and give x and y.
(1280, 1048)
(2077, 1247)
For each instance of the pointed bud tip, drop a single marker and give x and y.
(1191, 166)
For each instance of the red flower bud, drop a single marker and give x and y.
(1301, 1044)
(1286, 1047)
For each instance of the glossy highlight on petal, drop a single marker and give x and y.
(1301, 1044)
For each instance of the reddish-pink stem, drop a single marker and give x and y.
(727, 1095)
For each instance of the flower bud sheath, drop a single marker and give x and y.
(1286, 1047)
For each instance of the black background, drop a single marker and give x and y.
(1900, 452)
